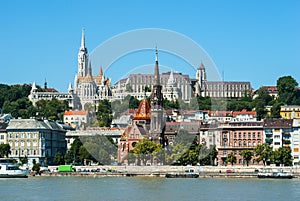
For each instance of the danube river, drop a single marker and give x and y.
(145, 188)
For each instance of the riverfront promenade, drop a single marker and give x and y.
(160, 171)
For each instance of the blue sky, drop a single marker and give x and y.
(256, 41)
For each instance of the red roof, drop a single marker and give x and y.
(244, 112)
(71, 112)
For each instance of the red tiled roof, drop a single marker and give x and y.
(244, 112)
(50, 90)
(71, 112)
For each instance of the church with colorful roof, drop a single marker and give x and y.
(148, 121)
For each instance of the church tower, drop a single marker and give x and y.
(82, 57)
(201, 76)
(157, 121)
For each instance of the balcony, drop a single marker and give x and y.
(269, 140)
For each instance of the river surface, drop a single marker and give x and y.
(145, 188)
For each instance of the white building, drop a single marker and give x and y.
(36, 139)
(295, 142)
(76, 119)
(277, 132)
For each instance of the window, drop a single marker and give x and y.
(2, 137)
(277, 143)
(244, 143)
(244, 135)
(253, 135)
(258, 135)
(234, 134)
(249, 135)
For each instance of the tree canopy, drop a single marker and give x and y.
(104, 113)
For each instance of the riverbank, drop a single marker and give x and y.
(161, 171)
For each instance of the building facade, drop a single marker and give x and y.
(174, 86)
(3, 134)
(236, 137)
(219, 89)
(38, 140)
(277, 132)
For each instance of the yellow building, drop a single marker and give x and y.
(290, 111)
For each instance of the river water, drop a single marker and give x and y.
(145, 188)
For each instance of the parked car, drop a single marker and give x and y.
(230, 171)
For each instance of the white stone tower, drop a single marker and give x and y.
(82, 57)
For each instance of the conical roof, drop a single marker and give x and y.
(143, 111)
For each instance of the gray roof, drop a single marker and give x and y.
(32, 124)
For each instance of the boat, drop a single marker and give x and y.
(8, 169)
(190, 173)
(182, 175)
(279, 174)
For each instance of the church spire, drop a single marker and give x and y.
(82, 57)
(156, 70)
(101, 72)
(82, 46)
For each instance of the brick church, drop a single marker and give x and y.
(148, 121)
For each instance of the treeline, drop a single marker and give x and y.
(14, 100)
(85, 150)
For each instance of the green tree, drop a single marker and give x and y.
(23, 160)
(59, 159)
(211, 155)
(247, 156)
(145, 149)
(130, 157)
(133, 103)
(4, 150)
(204, 103)
(263, 152)
(51, 109)
(147, 89)
(104, 113)
(98, 148)
(282, 156)
(231, 158)
(275, 110)
(286, 87)
(72, 156)
(36, 166)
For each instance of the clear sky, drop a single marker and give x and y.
(256, 41)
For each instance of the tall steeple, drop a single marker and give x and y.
(82, 57)
(156, 80)
(157, 121)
